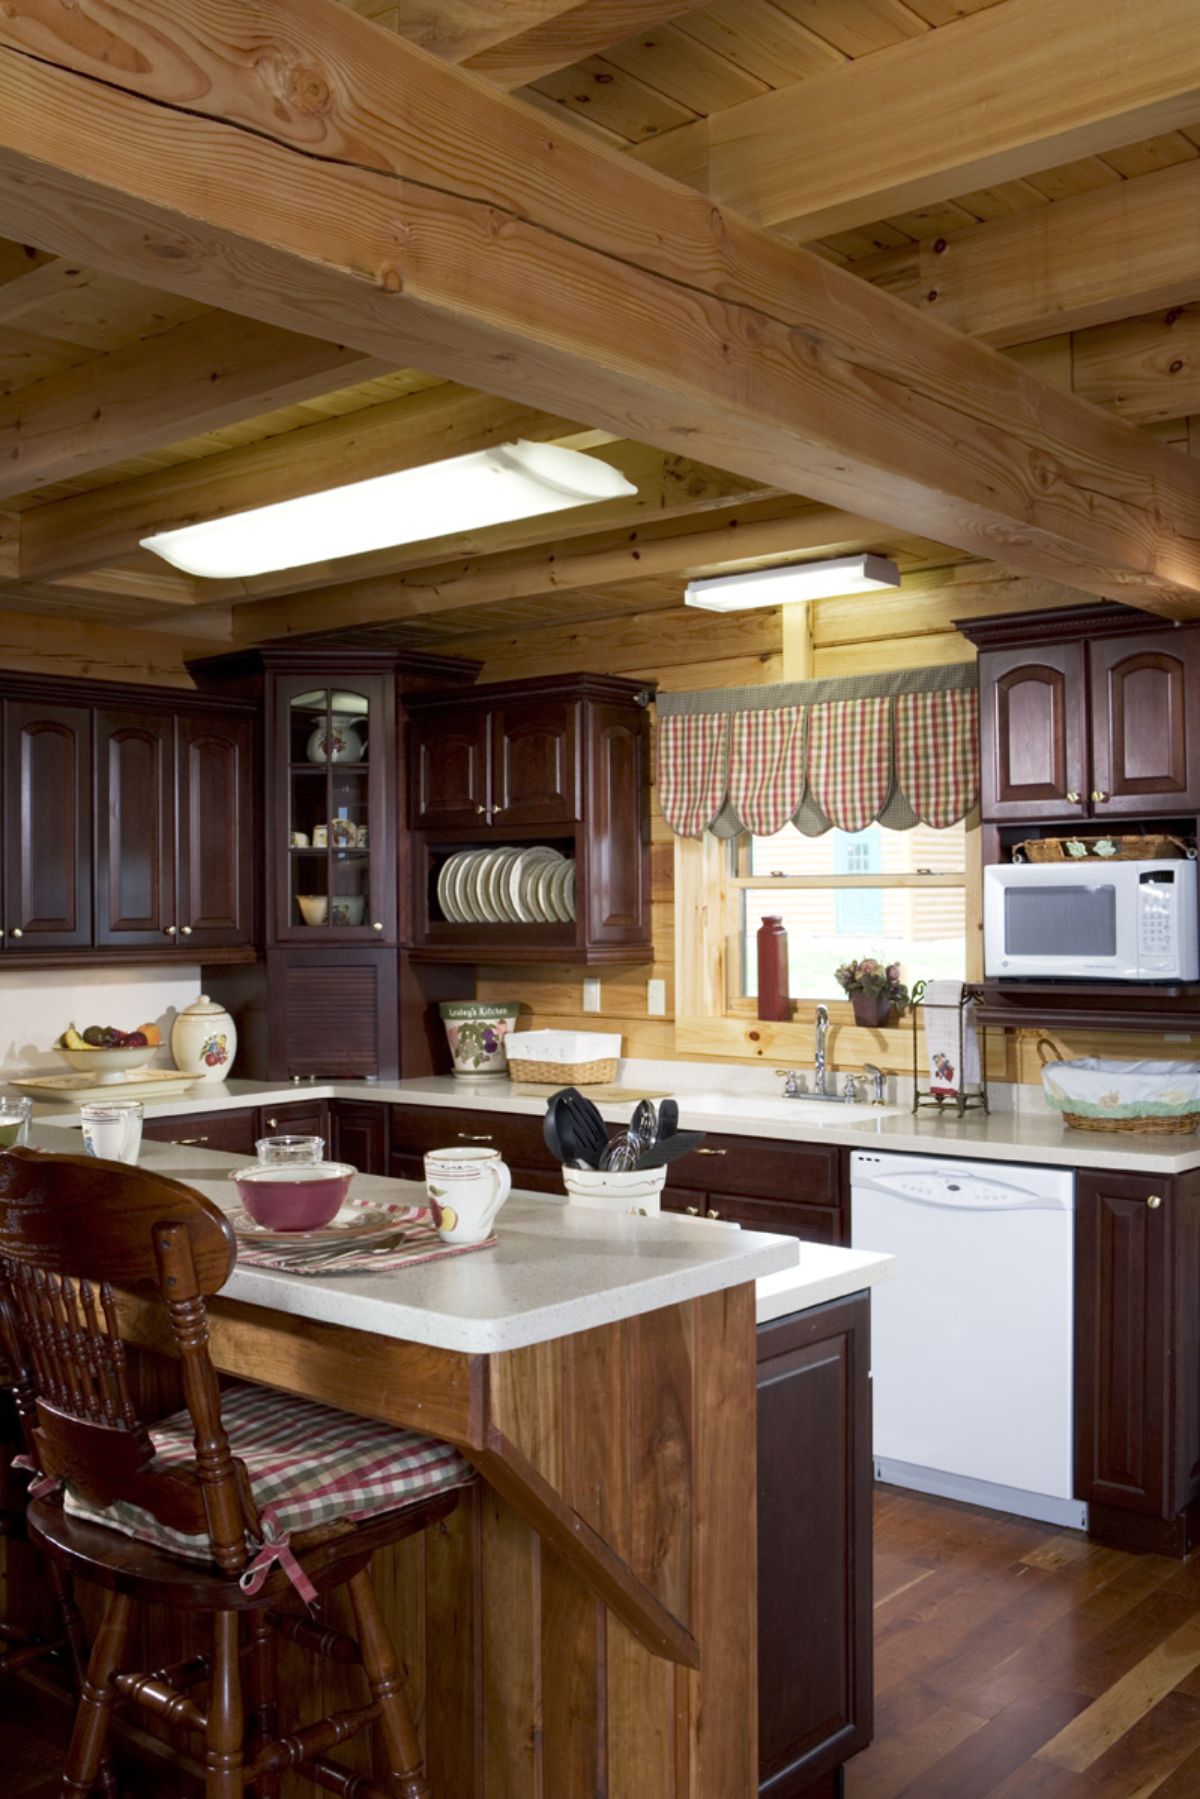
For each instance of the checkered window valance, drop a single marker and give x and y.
(901, 748)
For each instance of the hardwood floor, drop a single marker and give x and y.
(1016, 1661)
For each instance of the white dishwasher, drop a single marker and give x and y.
(971, 1344)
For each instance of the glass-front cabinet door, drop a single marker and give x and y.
(334, 854)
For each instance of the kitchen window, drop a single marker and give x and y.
(897, 895)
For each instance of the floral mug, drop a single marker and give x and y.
(467, 1188)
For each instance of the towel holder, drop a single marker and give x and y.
(962, 1102)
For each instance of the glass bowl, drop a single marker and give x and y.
(272, 1151)
(297, 1196)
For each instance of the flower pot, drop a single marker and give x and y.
(871, 1009)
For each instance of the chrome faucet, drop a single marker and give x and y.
(879, 1094)
(820, 1091)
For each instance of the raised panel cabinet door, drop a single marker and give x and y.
(615, 876)
(232, 1132)
(1124, 1226)
(359, 1135)
(810, 1224)
(814, 1544)
(215, 831)
(135, 828)
(1145, 694)
(303, 1118)
(449, 755)
(535, 763)
(47, 827)
(1032, 725)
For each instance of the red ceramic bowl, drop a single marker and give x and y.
(295, 1196)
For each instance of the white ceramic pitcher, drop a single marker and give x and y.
(467, 1188)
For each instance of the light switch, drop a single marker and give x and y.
(591, 992)
(656, 999)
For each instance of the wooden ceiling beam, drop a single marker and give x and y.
(31, 278)
(109, 523)
(424, 217)
(199, 377)
(515, 41)
(1097, 257)
(744, 537)
(1009, 91)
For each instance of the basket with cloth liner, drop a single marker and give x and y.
(581, 1058)
(1095, 1094)
(1130, 848)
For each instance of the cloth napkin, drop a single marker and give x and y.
(941, 1039)
(421, 1243)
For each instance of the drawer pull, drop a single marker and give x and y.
(693, 1211)
(472, 1137)
(712, 1152)
(1154, 1201)
(182, 1141)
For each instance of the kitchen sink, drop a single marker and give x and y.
(698, 1108)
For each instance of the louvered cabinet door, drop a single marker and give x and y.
(332, 1014)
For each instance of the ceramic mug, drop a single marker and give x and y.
(467, 1188)
(113, 1132)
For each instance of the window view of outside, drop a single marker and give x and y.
(923, 927)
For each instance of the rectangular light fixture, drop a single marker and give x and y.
(795, 582)
(463, 493)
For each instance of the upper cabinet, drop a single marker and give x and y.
(1090, 717)
(47, 827)
(215, 840)
(529, 810)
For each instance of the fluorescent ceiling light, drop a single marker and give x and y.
(798, 581)
(464, 493)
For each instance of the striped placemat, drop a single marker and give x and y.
(420, 1243)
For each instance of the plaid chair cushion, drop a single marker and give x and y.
(308, 1465)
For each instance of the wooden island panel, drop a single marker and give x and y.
(617, 1464)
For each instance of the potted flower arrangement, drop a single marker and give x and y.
(874, 989)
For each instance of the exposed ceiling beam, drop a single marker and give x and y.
(744, 537)
(669, 488)
(1010, 90)
(30, 278)
(109, 523)
(423, 217)
(515, 41)
(1120, 250)
(199, 377)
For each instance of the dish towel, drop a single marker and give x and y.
(941, 1039)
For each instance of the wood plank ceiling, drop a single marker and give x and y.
(124, 409)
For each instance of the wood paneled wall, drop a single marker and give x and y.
(687, 649)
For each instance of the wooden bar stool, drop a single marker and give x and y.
(223, 1509)
(21, 1646)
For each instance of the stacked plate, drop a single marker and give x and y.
(507, 886)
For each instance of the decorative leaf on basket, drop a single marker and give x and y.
(1075, 848)
(1106, 847)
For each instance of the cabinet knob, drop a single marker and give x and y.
(481, 809)
(272, 1124)
(376, 924)
(1154, 1201)
(692, 1211)
(712, 1152)
(713, 1213)
(496, 811)
(168, 930)
(185, 930)
(17, 931)
(1098, 796)
(1073, 798)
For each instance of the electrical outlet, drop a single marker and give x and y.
(591, 992)
(656, 999)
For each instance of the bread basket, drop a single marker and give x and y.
(1097, 1094)
(565, 1058)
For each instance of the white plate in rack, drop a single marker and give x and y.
(518, 879)
(462, 887)
(445, 890)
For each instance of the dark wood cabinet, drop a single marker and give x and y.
(215, 835)
(234, 1132)
(360, 1135)
(1032, 724)
(795, 1189)
(1087, 713)
(518, 1137)
(1145, 707)
(332, 1014)
(1137, 1357)
(47, 827)
(561, 763)
(135, 827)
(298, 1118)
(814, 1544)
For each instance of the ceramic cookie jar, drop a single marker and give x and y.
(204, 1040)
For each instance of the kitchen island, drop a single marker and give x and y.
(586, 1620)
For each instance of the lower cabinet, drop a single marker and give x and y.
(299, 1118)
(360, 1135)
(794, 1189)
(1137, 1358)
(518, 1137)
(814, 1545)
(233, 1132)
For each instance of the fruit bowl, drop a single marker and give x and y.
(301, 1196)
(108, 1066)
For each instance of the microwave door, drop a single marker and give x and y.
(1063, 924)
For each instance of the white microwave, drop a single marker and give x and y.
(1116, 921)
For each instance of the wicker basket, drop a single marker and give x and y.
(1124, 849)
(564, 1074)
(1126, 1084)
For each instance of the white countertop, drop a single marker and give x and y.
(555, 1269)
(824, 1273)
(1006, 1136)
